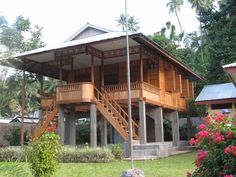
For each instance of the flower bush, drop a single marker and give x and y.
(216, 141)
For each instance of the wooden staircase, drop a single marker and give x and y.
(115, 114)
(48, 116)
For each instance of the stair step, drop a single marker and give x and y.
(146, 146)
(142, 153)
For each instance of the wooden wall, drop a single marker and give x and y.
(162, 74)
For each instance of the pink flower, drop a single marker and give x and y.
(229, 176)
(227, 150)
(203, 134)
(219, 118)
(207, 119)
(192, 141)
(201, 127)
(200, 157)
(233, 150)
(218, 139)
(230, 134)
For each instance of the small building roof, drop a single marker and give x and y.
(217, 93)
(5, 120)
(231, 70)
(231, 65)
(30, 120)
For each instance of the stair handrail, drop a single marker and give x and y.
(118, 109)
(135, 126)
(41, 119)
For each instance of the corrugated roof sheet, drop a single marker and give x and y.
(217, 92)
(97, 38)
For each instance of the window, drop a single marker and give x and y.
(222, 106)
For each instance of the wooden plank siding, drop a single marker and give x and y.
(170, 79)
(162, 84)
(185, 88)
(178, 82)
(191, 89)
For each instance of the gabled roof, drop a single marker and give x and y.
(26, 119)
(216, 92)
(31, 60)
(86, 27)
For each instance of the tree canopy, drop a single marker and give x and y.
(14, 38)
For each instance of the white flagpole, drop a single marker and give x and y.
(129, 92)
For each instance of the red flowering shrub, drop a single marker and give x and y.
(52, 128)
(216, 141)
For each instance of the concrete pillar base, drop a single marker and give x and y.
(93, 125)
(142, 121)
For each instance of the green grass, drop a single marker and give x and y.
(174, 166)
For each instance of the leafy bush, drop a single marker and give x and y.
(117, 151)
(44, 155)
(217, 142)
(74, 154)
(12, 154)
(14, 136)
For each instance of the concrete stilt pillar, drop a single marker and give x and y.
(103, 132)
(93, 125)
(111, 139)
(142, 122)
(67, 130)
(72, 128)
(157, 115)
(61, 125)
(175, 128)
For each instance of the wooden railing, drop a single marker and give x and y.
(133, 86)
(39, 128)
(122, 87)
(47, 99)
(117, 110)
(75, 93)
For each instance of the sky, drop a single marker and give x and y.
(62, 18)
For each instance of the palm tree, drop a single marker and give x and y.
(174, 7)
(133, 24)
(121, 20)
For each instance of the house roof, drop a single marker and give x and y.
(217, 93)
(88, 25)
(5, 120)
(26, 119)
(231, 70)
(231, 65)
(32, 60)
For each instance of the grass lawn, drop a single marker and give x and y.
(174, 166)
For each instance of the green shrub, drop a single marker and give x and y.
(44, 155)
(74, 154)
(14, 136)
(117, 151)
(12, 154)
